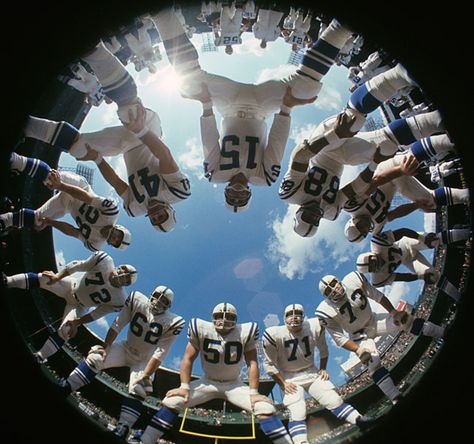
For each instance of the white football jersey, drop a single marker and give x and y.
(148, 334)
(352, 314)
(286, 352)
(297, 38)
(390, 254)
(90, 219)
(320, 183)
(244, 148)
(94, 289)
(222, 355)
(145, 182)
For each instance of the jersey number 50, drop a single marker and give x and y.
(213, 355)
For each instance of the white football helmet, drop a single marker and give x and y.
(307, 217)
(294, 316)
(127, 236)
(358, 227)
(161, 299)
(224, 317)
(367, 262)
(124, 276)
(331, 287)
(162, 215)
(237, 197)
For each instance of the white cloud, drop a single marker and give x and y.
(275, 73)
(175, 362)
(271, 319)
(300, 133)
(109, 115)
(193, 158)
(397, 291)
(250, 45)
(60, 259)
(329, 99)
(102, 324)
(297, 256)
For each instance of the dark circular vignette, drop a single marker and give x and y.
(431, 41)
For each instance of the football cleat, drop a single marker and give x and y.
(366, 422)
(121, 431)
(64, 387)
(39, 359)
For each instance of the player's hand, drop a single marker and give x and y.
(364, 355)
(136, 122)
(324, 375)
(290, 100)
(258, 398)
(53, 181)
(289, 388)
(72, 325)
(409, 165)
(203, 96)
(399, 318)
(183, 392)
(53, 277)
(92, 154)
(430, 239)
(43, 223)
(343, 124)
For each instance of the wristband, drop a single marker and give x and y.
(207, 106)
(285, 109)
(331, 136)
(98, 159)
(254, 391)
(141, 133)
(185, 385)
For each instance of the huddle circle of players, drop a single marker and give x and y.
(240, 153)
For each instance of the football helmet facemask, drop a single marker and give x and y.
(331, 287)
(224, 317)
(161, 299)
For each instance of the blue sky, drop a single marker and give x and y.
(253, 259)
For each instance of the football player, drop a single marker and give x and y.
(230, 25)
(151, 333)
(390, 249)
(95, 216)
(154, 179)
(289, 360)
(100, 287)
(298, 36)
(242, 152)
(371, 213)
(223, 345)
(347, 315)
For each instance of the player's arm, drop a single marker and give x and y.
(322, 346)
(363, 353)
(402, 210)
(364, 182)
(137, 125)
(304, 151)
(270, 358)
(108, 173)
(407, 167)
(405, 232)
(190, 355)
(63, 227)
(74, 267)
(55, 183)
(254, 376)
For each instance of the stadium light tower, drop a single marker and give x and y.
(208, 42)
(84, 171)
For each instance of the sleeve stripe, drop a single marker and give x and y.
(179, 193)
(128, 210)
(254, 324)
(286, 195)
(179, 322)
(321, 314)
(379, 284)
(269, 178)
(100, 257)
(111, 212)
(90, 246)
(379, 240)
(269, 338)
(194, 328)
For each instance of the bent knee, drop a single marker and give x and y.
(174, 403)
(262, 408)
